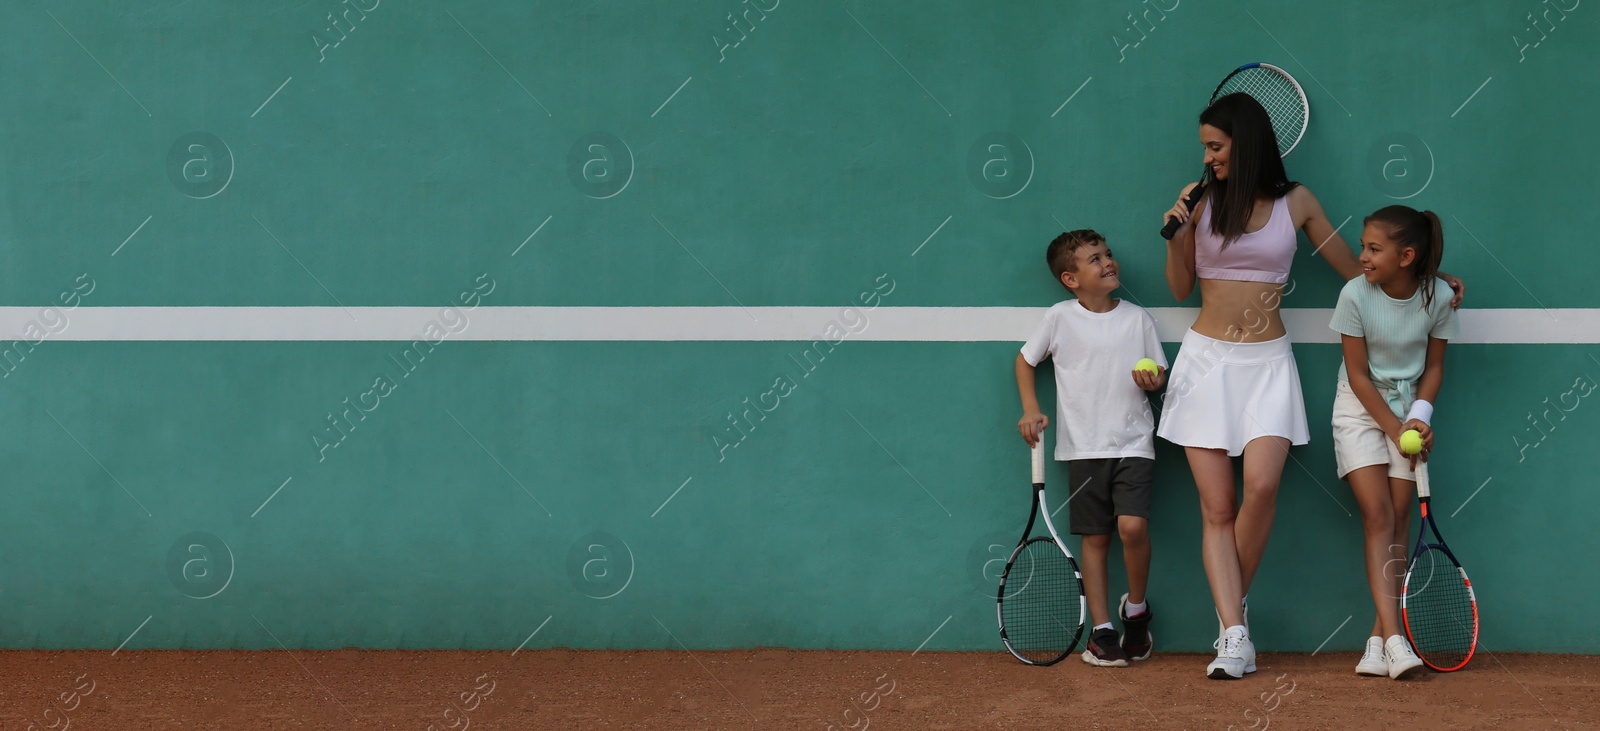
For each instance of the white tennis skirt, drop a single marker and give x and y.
(1222, 394)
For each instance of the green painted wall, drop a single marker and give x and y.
(807, 534)
(806, 162)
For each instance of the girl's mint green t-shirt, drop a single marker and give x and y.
(1397, 333)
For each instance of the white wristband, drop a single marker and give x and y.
(1421, 411)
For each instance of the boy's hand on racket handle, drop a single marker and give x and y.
(1032, 427)
(1150, 381)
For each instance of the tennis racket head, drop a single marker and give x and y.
(1440, 609)
(1278, 93)
(1041, 602)
(1437, 603)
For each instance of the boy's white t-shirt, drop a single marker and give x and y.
(1100, 412)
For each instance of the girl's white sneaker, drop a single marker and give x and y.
(1372, 660)
(1402, 660)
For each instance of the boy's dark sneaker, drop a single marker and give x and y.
(1137, 642)
(1104, 651)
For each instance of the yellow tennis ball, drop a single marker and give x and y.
(1411, 441)
(1145, 364)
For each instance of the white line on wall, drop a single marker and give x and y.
(711, 324)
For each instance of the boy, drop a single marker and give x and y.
(1105, 429)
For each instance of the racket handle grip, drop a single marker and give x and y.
(1189, 201)
(1038, 461)
(1423, 490)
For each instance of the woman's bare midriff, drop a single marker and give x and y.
(1240, 312)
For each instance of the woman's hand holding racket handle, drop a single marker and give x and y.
(1180, 211)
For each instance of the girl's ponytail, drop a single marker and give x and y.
(1426, 267)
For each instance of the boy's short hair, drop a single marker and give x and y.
(1062, 254)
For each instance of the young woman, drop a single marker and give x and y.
(1394, 325)
(1234, 389)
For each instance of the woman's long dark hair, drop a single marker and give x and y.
(1255, 169)
(1421, 232)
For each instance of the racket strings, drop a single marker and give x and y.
(1440, 617)
(1040, 611)
(1283, 102)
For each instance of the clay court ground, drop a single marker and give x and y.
(772, 689)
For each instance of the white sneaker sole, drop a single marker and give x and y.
(1221, 672)
(1372, 671)
(1088, 657)
(1404, 672)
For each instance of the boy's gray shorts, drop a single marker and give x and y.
(1103, 489)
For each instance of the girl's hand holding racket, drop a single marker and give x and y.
(1032, 427)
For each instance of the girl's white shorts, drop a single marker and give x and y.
(1359, 442)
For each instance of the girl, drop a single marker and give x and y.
(1234, 387)
(1394, 324)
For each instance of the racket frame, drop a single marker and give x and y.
(1193, 199)
(1040, 507)
(1429, 526)
(1305, 104)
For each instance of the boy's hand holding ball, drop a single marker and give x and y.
(1148, 375)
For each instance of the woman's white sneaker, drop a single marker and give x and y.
(1372, 660)
(1402, 660)
(1236, 655)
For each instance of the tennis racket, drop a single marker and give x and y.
(1437, 603)
(1285, 103)
(1040, 603)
